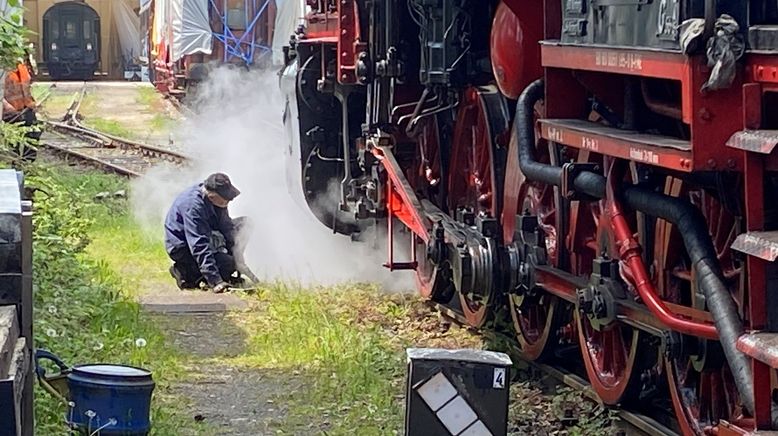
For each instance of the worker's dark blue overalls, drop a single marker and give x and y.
(201, 239)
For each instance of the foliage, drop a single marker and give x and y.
(80, 312)
(13, 139)
(12, 37)
(568, 412)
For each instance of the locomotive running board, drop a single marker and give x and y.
(663, 151)
(763, 245)
(758, 141)
(760, 346)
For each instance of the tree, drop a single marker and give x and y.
(12, 52)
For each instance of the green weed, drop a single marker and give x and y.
(147, 96)
(161, 122)
(110, 127)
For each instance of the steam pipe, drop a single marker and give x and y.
(346, 151)
(630, 254)
(687, 219)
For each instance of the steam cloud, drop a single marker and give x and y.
(238, 130)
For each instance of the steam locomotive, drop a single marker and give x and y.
(596, 172)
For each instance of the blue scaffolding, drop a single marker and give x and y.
(244, 47)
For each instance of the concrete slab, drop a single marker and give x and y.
(191, 302)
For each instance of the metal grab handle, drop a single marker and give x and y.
(43, 354)
(41, 374)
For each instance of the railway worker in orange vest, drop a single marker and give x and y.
(19, 105)
(202, 239)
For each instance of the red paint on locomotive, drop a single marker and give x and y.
(515, 52)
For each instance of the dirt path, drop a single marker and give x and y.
(232, 400)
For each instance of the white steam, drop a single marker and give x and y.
(238, 130)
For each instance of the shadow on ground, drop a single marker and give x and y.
(230, 400)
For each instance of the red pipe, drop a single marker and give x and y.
(630, 254)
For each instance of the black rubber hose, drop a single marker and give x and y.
(524, 126)
(688, 220)
(692, 226)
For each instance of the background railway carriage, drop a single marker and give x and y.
(71, 41)
(187, 37)
(583, 170)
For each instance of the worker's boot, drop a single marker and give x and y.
(181, 281)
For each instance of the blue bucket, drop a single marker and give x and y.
(116, 399)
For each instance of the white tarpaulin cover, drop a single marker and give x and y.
(289, 14)
(183, 26)
(190, 27)
(128, 29)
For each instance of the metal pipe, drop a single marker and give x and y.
(346, 149)
(419, 105)
(682, 214)
(630, 254)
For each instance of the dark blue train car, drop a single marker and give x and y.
(71, 41)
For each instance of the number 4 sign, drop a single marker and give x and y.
(498, 381)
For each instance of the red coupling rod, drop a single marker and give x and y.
(630, 254)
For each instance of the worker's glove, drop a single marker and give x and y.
(221, 287)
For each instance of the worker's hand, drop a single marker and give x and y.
(220, 288)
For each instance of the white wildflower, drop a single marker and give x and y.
(140, 342)
(52, 310)
(50, 332)
(99, 346)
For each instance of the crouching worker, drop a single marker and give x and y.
(200, 237)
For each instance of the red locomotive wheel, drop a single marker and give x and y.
(610, 353)
(609, 356)
(701, 385)
(475, 172)
(426, 177)
(535, 318)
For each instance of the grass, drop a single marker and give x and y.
(148, 96)
(162, 122)
(352, 369)
(110, 127)
(81, 310)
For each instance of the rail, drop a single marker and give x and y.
(110, 152)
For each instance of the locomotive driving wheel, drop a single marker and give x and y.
(701, 386)
(610, 350)
(426, 178)
(476, 169)
(534, 314)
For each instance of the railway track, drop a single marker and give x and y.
(70, 138)
(631, 423)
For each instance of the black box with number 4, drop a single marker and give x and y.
(457, 392)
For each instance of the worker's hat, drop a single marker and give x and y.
(220, 183)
